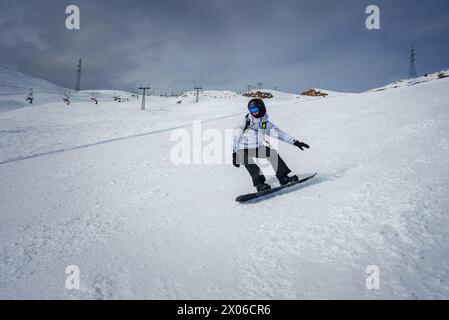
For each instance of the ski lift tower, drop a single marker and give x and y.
(143, 96)
(197, 93)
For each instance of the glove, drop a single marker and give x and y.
(301, 145)
(234, 160)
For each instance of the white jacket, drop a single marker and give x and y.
(254, 136)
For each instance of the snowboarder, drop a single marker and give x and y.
(249, 136)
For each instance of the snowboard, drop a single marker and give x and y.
(251, 197)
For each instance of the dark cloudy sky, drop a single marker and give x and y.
(224, 44)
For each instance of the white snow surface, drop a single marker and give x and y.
(411, 82)
(93, 186)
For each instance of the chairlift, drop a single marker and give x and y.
(93, 97)
(30, 97)
(66, 98)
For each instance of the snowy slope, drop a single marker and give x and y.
(13, 82)
(15, 87)
(444, 74)
(94, 186)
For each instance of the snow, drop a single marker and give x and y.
(411, 82)
(94, 186)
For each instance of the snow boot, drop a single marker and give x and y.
(286, 179)
(263, 187)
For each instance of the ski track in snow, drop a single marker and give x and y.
(141, 227)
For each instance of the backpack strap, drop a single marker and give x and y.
(247, 124)
(263, 125)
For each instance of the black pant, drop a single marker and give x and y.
(245, 156)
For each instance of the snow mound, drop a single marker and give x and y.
(205, 95)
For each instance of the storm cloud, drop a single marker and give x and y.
(175, 45)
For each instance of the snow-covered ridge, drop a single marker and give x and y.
(331, 94)
(412, 82)
(15, 82)
(15, 86)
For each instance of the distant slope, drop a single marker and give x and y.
(15, 87)
(412, 82)
(14, 82)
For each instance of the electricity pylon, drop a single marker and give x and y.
(412, 70)
(78, 77)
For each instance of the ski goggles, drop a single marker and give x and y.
(254, 109)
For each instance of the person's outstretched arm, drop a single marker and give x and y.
(273, 131)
